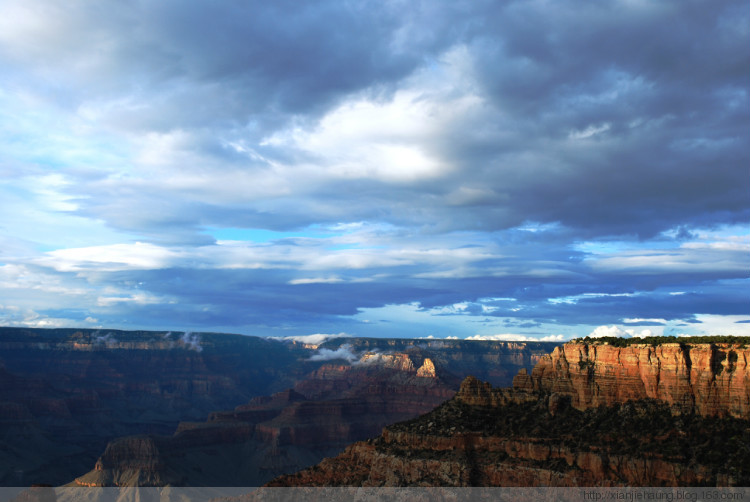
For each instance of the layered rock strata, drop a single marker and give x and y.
(711, 379)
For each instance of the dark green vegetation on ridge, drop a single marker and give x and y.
(655, 341)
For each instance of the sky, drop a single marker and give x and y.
(530, 169)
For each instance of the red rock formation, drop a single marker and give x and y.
(464, 460)
(401, 362)
(711, 379)
(346, 403)
(427, 370)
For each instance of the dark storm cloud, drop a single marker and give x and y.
(664, 83)
(610, 118)
(217, 64)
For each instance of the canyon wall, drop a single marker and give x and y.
(711, 379)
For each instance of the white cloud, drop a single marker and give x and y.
(737, 325)
(552, 338)
(109, 340)
(344, 352)
(315, 339)
(576, 298)
(393, 139)
(509, 337)
(191, 341)
(317, 280)
(23, 277)
(638, 320)
(726, 256)
(590, 131)
(603, 331)
(368, 139)
(376, 250)
(732, 243)
(12, 315)
(616, 331)
(110, 258)
(138, 298)
(641, 334)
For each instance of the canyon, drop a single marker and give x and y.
(138, 408)
(588, 414)
(90, 408)
(271, 435)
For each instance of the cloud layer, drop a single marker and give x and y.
(389, 169)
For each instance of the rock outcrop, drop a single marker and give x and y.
(495, 362)
(128, 461)
(427, 370)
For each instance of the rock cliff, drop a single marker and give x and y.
(711, 379)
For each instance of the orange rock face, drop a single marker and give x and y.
(427, 370)
(709, 379)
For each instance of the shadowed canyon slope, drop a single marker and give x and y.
(66, 393)
(589, 414)
(277, 434)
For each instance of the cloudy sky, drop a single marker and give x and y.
(517, 169)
